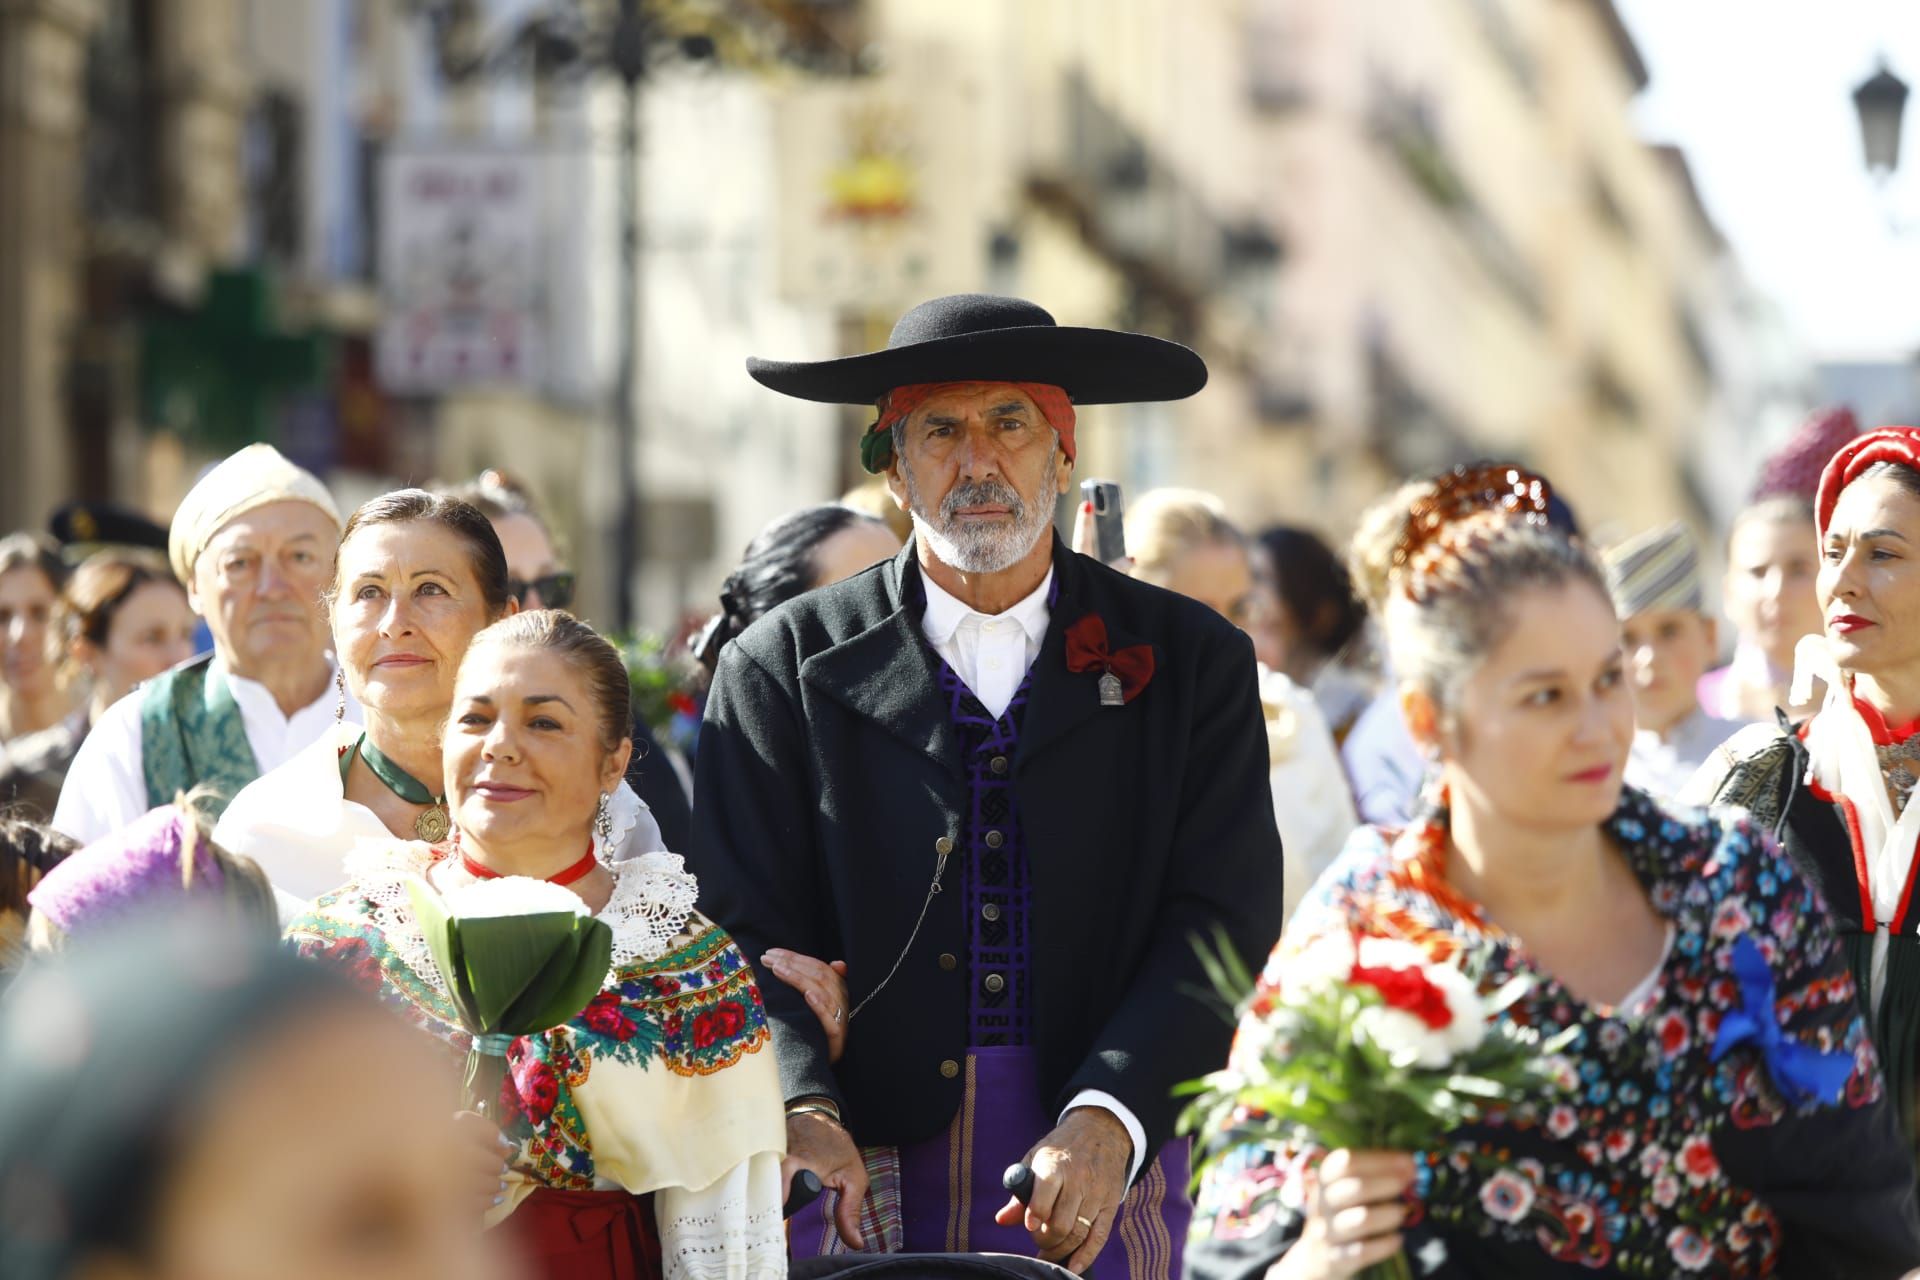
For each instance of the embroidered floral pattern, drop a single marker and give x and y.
(1627, 1172)
(692, 1011)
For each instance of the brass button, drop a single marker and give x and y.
(949, 961)
(995, 839)
(991, 911)
(994, 984)
(998, 764)
(943, 846)
(949, 1068)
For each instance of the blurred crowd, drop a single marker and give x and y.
(226, 715)
(85, 621)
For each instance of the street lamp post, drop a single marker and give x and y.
(628, 50)
(1881, 100)
(573, 38)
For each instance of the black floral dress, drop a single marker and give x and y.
(1666, 1154)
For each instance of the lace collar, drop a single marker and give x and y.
(652, 900)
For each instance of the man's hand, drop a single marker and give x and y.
(1079, 1177)
(824, 984)
(815, 1142)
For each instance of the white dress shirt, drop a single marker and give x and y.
(991, 654)
(107, 786)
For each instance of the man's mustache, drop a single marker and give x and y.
(981, 493)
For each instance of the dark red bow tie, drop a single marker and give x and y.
(1087, 651)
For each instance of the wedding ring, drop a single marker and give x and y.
(839, 1015)
(1085, 1222)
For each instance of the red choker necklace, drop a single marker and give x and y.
(579, 869)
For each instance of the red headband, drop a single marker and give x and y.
(1888, 444)
(877, 450)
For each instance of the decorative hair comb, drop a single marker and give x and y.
(1467, 491)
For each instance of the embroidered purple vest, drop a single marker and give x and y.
(999, 896)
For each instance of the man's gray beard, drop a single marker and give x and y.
(983, 549)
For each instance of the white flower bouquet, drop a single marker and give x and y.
(519, 956)
(1365, 1043)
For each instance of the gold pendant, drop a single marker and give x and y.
(433, 824)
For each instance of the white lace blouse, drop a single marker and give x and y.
(666, 1084)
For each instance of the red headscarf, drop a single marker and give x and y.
(876, 451)
(1888, 444)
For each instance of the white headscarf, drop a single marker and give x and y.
(255, 476)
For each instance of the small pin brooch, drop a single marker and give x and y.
(1124, 672)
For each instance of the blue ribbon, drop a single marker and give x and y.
(493, 1046)
(1801, 1074)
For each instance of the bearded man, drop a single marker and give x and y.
(1011, 789)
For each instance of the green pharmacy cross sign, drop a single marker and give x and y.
(217, 374)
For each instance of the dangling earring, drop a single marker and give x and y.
(340, 684)
(603, 823)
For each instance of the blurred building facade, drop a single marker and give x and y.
(386, 234)
(1403, 236)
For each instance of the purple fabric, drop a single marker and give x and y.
(944, 1192)
(131, 870)
(1000, 1118)
(998, 896)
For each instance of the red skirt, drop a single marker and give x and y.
(586, 1235)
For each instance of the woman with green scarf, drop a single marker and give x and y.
(415, 578)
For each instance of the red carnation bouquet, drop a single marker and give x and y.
(1365, 1043)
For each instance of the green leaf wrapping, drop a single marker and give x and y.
(437, 927)
(514, 975)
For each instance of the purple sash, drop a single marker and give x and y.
(946, 1190)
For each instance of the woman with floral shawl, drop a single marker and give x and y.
(1722, 1110)
(648, 1131)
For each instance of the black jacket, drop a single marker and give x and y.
(829, 768)
(653, 779)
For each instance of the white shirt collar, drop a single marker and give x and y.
(946, 612)
(255, 698)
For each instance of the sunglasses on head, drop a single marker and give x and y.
(556, 589)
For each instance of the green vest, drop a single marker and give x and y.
(191, 735)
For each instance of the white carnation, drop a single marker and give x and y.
(1322, 963)
(1469, 1025)
(1402, 1034)
(1403, 1037)
(512, 896)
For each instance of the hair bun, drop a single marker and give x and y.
(1404, 539)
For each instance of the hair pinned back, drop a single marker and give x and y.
(1441, 561)
(558, 632)
(466, 522)
(777, 566)
(1464, 492)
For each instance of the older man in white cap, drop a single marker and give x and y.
(253, 542)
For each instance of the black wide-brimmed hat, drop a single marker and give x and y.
(983, 337)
